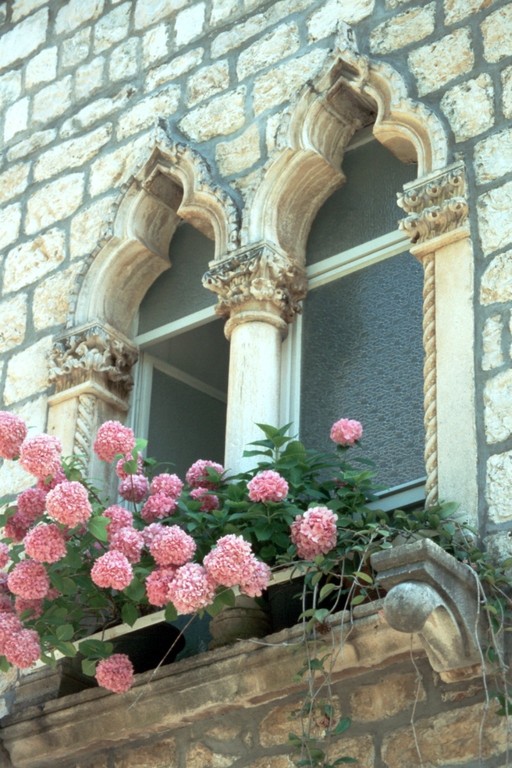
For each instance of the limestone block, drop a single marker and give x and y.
(283, 82)
(506, 79)
(408, 27)
(34, 142)
(281, 42)
(492, 356)
(52, 101)
(16, 118)
(89, 78)
(175, 68)
(54, 202)
(22, 8)
(95, 111)
(456, 10)
(13, 181)
(75, 13)
(273, 761)
(200, 756)
(72, 153)
(42, 68)
(386, 697)
(112, 170)
(148, 12)
(10, 218)
(223, 10)
(75, 49)
(493, 156)
(27, 372)
(88, 226)
(189, 24)
(155, 45)
(497, 280)
(124, 60)
(497, 34)
(10, 88)
(25, 38)
(239, 154)
(112, 28)
(469, 107)
(281, 719)
(494, 220)
(236, 36)
(13, 321)
(160, 755)
(52, 300)
(325, 20)
(498, 413)
(145, 114)
(397, 3)
(498, 484)
(361, 749)
(28, 262)
(207, 82)
(434, 65)
(219, 117)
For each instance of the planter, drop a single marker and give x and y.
(150, 646)
(248, 618)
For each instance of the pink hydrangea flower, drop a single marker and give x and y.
(121, 471)
(4, 554)
(227, 563)
(171, 485)
(134, 488)
(209, 501)
(45, 543)
(197, 475)
(6, 603)
(29, 579)
(33, 607)
(113, 439)
(68, 503)
(22, 648)
(172, 546)
(46, 484)
(31, 504)
(157, 507)
(256, 578)
(191, 589)
(157, 585)
(151, 532)
(112, 570)
(13, 432)
(314, 533)
(267, 486)
(16, 528)
(346, 431)
(115, 673)
(9, 625)
(128, 541)
(119, 518)
(41, 455)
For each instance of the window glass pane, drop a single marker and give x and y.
(362, 358)
(179, 291)
(365, 207)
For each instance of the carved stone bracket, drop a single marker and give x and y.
(94, 351)
(436, 207)
(258, 276)
(432, 594)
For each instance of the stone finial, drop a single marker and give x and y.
(436, 206)
(432, 594)
(93, 351)
(258, 277)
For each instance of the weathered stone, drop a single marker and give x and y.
(492, 335)
(207, 82)
(222, 10)
(239, 154)
(146, 113)
(273, 761)
(386, 697)
(25, 38)
(199, 756)
(42, 68)
(88, 226)
(52, 101)
(124, 60)
(220, 117)
(95, 111)
(10, 218)
(160, 755)
(497, 280)
(54, 202)
(112, 170)
(436, 64)
(189, 24)
(16, 118)
(498, 484)
(22, 8)
(75, 13)
(34, 142)
(325, 20)
(283, 82)
(27, 372)
(147, 12)
(235, 37)
(72, 153)
(13, 181)
(271, 48)
(52, 300)
(459, 105)
(497, 34)
(498, 414)
(409, 27)
(28, 262)
(175, 68)
(10, 88)
(456, 10)
(506, 79)
(75, 49)
(155, 45)
(493, 156)
(494, 220)
(89, 78)
(13, 321)
(112, 28)
(361, 749)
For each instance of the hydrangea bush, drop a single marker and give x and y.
(72, 562)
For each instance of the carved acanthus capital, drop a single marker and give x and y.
(258, 276)
(97, 352)
(436, 205)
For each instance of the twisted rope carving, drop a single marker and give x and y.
(82, 443)
(429, 379)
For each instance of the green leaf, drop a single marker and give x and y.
(171, 614)
(68, 649)
(342, 725)
(362, 576)
(97, 649)
(4, 664)
(129, 614)
(89, 667)
(135, 591)
(358, 599)
(98, 527)
(65, 632)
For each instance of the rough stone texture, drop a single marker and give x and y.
(497, 280)
(112, 170)
(458, 104)
(497, 34)
(438, 63)
(219, 117)
(94, 112)
(361, 749)
(16, 119)
(498, 414)
(506, 79)
(88, 227)
(280, 84)
(10, 88)
(32, 260)
(52, 300)
(386, 697)
(499, 479)
(175, 68)
(409, 27)
(160, 755)
(456, 10)
(222, 10)
(13, 181)
(112, 28)
(275, 761)
(13, 320)
(42, 68)
(207, 82)
(271, 48)
(22, 8)
(239, 154)
(199, 756)
(24, 39)
(52, 101)
(189, 24)
(155, 45)
(34, 142)
(495, 222)
(55, 201)
(89, 78)
(123, 61)
(10, 218)
(147, 12)
(27, 372)
(147, 111)
(75, 49)
(325, 20)
(492, 356)
(75, 13)
(71, 154)
(493, 156)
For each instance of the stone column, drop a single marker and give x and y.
(259, 290)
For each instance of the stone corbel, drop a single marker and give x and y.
(431, 594)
